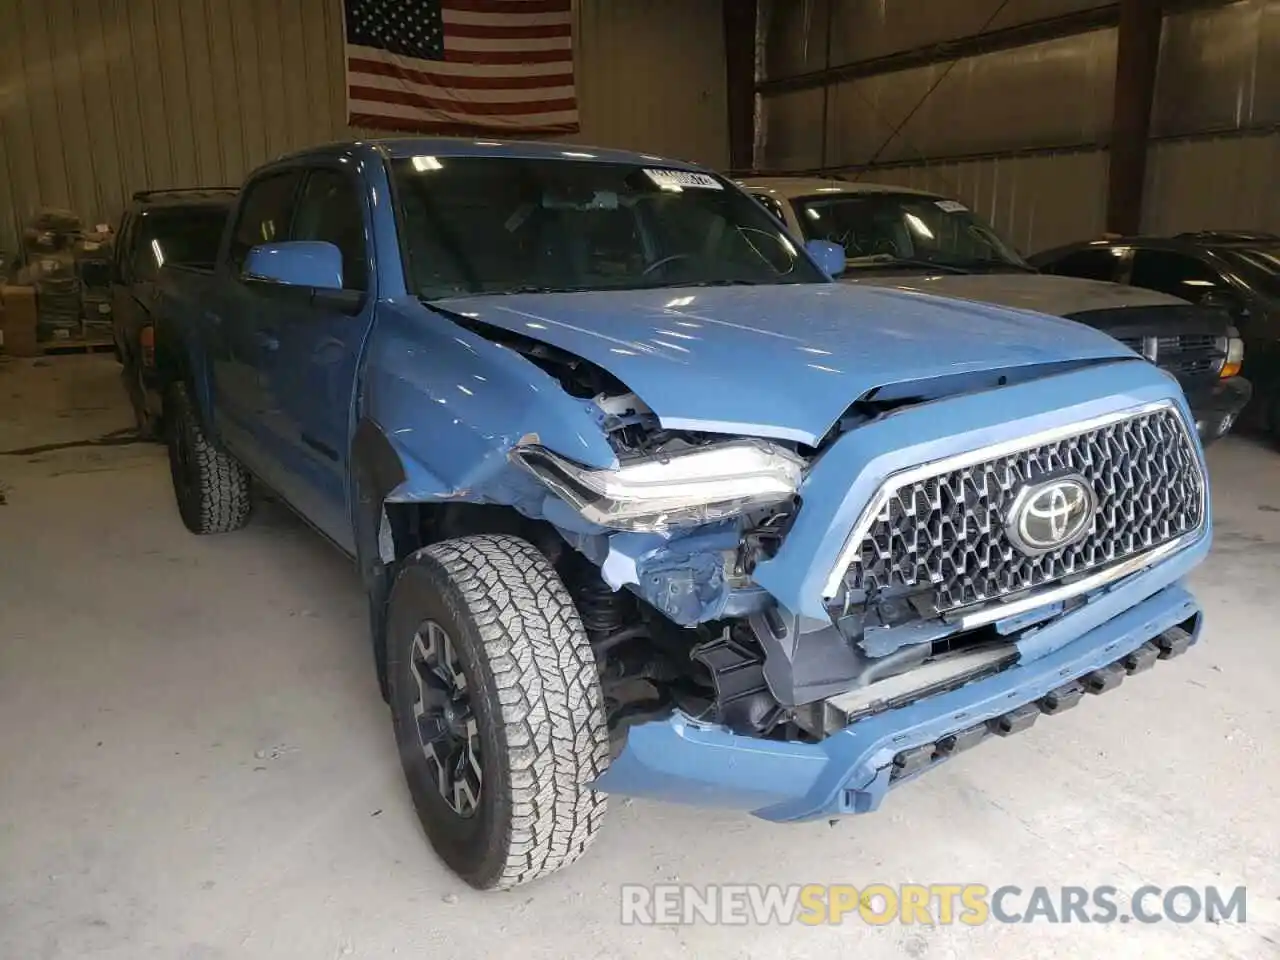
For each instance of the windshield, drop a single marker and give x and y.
(187, 236)
(877, 229)
(1261, 265)
(485, 225)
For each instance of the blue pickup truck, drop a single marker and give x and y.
(644, 503)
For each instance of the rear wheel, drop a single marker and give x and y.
(211, 487)
(497, 709)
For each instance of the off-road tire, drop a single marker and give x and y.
(211, 487)
(535, 692)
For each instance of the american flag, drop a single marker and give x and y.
(461, 66)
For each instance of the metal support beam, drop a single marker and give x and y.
(1137, 54)
(740, 79)
(1006, 38)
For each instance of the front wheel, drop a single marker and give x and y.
(497, 708)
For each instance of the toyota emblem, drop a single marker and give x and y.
(1050, 514)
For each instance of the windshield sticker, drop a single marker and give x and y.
(683, 180)
(952, 206)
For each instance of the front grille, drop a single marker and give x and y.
(1136, 344)
(1188, 354)
(947, 531)
(1185, 343)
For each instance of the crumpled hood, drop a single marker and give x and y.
(780, 361)
(1042, 292)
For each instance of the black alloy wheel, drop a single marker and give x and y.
(447, 728)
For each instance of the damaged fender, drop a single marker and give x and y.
(439, 415)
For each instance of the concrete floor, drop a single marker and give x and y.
(195, 762)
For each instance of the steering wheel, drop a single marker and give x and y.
(663, 261)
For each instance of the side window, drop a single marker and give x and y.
(1174, 273)
(329, 209)
(1096, 263)
(264, 215)
(772, 205)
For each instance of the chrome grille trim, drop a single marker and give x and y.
(1089, 576)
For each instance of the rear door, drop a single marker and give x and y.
(311, 378)
(238, 320)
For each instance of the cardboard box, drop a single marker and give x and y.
(18, 321)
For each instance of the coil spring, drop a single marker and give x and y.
(603, 610)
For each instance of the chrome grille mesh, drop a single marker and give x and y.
(948, 530)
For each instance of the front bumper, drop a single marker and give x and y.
(682, 760)
(1216, 408)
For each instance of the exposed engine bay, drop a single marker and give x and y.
(669, 602)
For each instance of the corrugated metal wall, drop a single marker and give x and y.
(1035, 120)
(99, 98)
(1218, 110)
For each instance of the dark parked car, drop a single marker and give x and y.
(914, 240)
(159, 227)
(1237, 271)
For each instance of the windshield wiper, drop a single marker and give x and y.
(504, 292)
(536, 288)
(890, 260)
(1000, 265)
(740, 282)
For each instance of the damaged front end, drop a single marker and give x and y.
(782, 617)
(931, 590)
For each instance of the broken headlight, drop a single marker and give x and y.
(698, 485)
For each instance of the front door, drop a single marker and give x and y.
(311, 378)
(239, 319)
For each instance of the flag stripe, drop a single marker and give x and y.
(413, 98)
(510, 31)
(465, 45)
(508, 56)
(453, 94)
(370, 69)
(506, 7)
(507, 124)
(538, 121)
(469, 65)
(445, 128)
(526, 19)
(449, 71)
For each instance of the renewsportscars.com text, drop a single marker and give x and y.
(939, 903)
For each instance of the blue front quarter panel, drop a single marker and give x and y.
(453, 405)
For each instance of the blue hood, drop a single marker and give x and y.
(781, 361)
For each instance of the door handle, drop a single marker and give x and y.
(267, 341)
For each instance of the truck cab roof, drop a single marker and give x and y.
(790, 187)
(401, 147)
(148, 200)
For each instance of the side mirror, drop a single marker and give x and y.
(829, 256)
(297, 263)
(1226, 300)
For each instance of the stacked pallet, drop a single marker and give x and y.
(69, 270)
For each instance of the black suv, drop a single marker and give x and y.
(1235, 271)
(158, 227)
